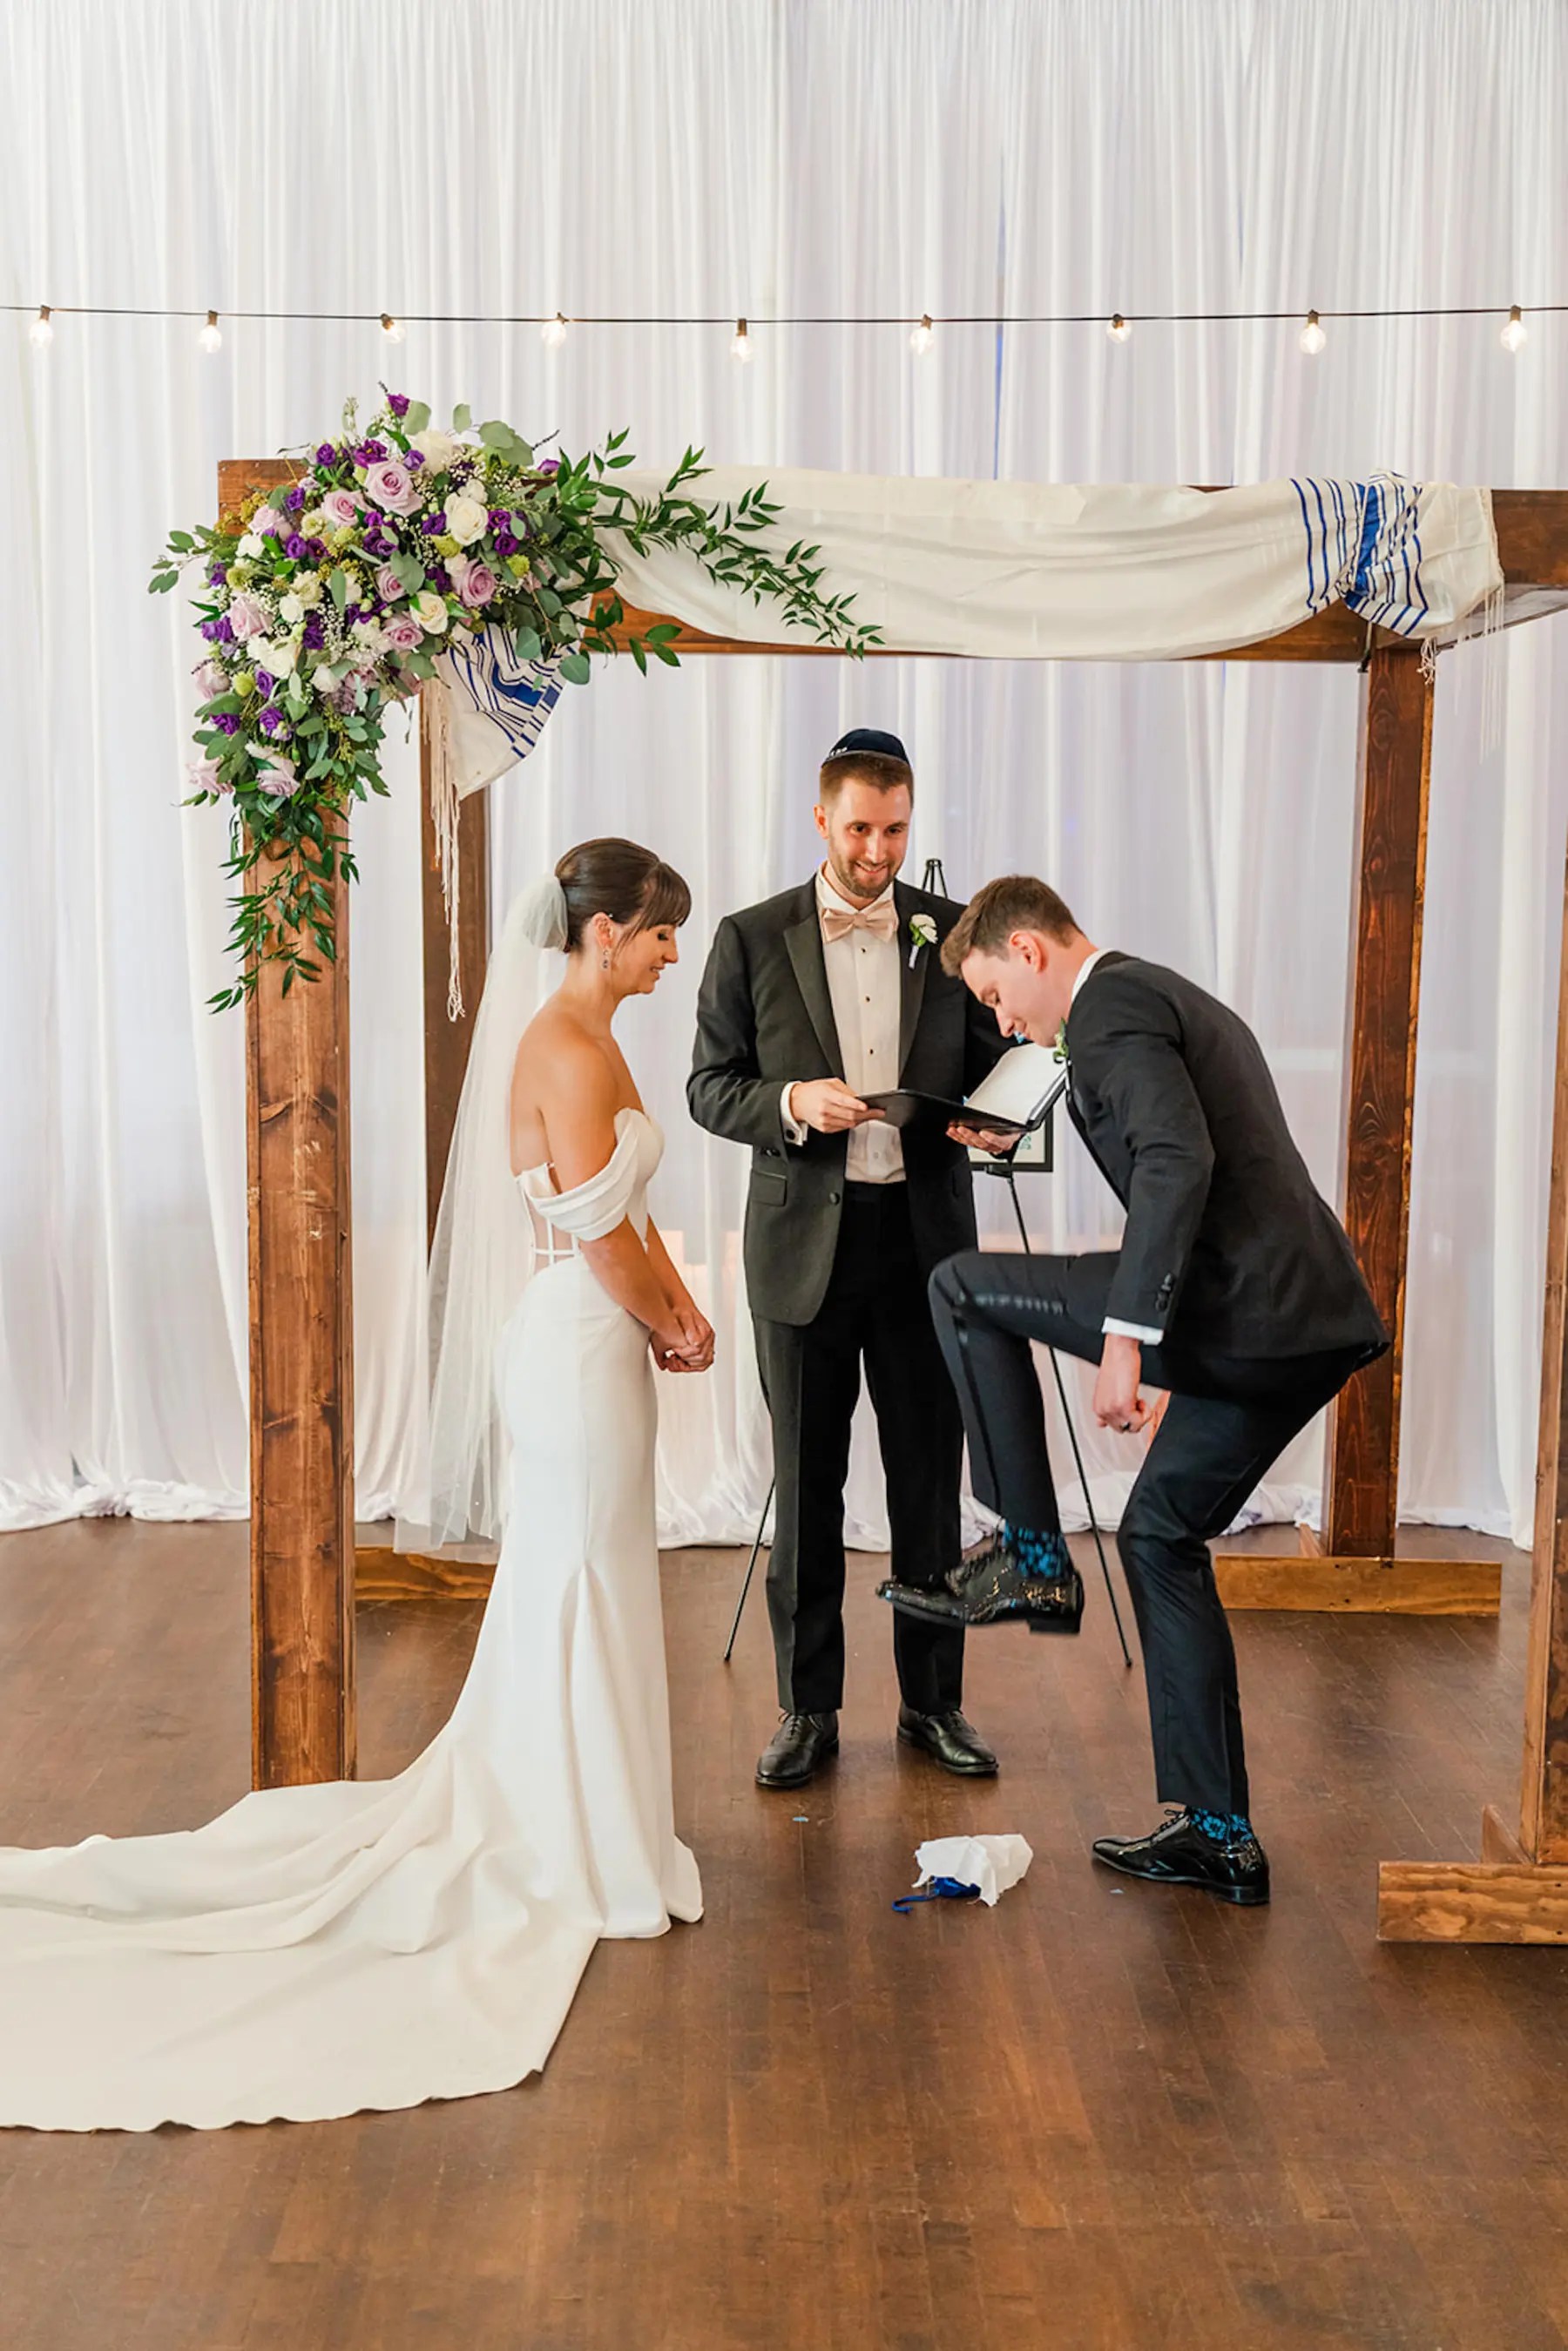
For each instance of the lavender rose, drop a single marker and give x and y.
(341, 509)
(209, 679)
(203, 776)
(277, 776)
(477, 585)
(264, 519)
(402, 632)
(394, 487)
(247, 618)
(389, 585)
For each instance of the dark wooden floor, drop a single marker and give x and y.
(1096, 2116)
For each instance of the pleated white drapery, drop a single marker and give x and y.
(854, 157)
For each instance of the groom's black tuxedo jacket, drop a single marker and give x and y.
(764, 1018)
(1228, 1244)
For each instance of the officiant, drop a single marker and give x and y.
(811, 1001)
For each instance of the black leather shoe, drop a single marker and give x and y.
(1179, 1854)
(792, 1755)
(990, 1585)
(956, 1743)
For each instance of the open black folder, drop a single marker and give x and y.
(1018, 1095)
(905, 1108)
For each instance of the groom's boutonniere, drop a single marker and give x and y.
(922, 931)
(1060, 1049)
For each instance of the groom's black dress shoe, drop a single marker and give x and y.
(991, 1586)
(1179, 1854)
(800, 1743)
(956, 1743)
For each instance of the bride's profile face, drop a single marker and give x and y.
(641, 957)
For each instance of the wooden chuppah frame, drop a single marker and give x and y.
(303, 1558)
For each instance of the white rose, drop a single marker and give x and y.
(437, 449)
(322, 677)
(290, 609)
(251, 547)
(465, 520)
(368, 634)
(282, 657)
(430, 612)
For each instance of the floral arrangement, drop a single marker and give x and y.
(327, 600)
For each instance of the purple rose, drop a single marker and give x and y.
(210, 630)
(550, 465)
(505, 543)
(315, 633)
(294, 499)
(377, 450)
(226, 631)
(434, 525)
(392, 487)
(218, 574)
(398, 402)
(389, 585)
(265, 681)
(295, 550)
(227, 724)
(477, 585)
(402, 632)
(325, 455)
(499, 517)
(413, 460)
(272, 719)
(316, 548)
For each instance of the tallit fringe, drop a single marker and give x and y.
(445, 809)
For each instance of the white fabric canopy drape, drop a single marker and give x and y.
(874, 158)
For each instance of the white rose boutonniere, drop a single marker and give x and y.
(923, 932)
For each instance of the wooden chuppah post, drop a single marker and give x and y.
(1517, 1891)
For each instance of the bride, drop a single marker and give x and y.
(319, 1950)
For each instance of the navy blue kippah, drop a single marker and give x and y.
(868, 738)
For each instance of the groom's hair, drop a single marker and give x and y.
(877, 768)
(1017, 902)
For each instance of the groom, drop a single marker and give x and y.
(1234, 1290)
(835, 990)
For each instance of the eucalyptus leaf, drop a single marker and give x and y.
(576, 668)
(337, 582)
(462, 417)
(417, 418)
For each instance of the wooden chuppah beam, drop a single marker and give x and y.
(1517, 1891)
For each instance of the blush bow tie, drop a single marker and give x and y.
(882, 918)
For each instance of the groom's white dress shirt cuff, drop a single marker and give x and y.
(1110, 1328)
(794, 1132)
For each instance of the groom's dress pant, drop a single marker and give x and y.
(875, 1312)
(1228, 1419)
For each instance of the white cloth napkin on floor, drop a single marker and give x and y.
(991, 1863)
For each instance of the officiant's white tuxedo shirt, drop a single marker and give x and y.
(863, 984)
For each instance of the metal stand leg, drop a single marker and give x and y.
(750, 1571)
(1011, 1182)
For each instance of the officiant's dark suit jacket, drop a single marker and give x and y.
(1228, 1246)
(764, 1018)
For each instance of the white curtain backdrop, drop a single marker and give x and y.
(800, 156)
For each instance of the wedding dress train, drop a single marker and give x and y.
(319, 1950)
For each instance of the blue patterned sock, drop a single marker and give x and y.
(1220, 1828)
(1038, 1552)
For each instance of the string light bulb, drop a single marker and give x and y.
(1515, 334)
(740, 348)
(392, 328)
(41, 332)
(552, 334)
(921, 340)
(1118, 328)
(211, 337)
(1313, 336)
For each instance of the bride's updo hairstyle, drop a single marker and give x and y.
(619, 879)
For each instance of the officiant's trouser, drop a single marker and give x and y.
(1228, 1419)
(875, 1311)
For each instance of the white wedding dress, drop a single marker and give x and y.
(316, 1950)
